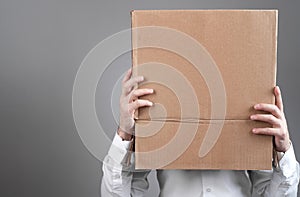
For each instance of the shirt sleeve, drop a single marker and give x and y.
(281, 181)
(119, 176)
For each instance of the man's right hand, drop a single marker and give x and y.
(129, 102)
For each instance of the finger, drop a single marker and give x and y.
(127, 75)
(273, 109)
(140, 92)
(266, 131)
(278, 98)
(129, 85)
(139, 103)
(265, 118)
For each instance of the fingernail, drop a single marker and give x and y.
(252, 117)
(151, 90)
(150, 103)
(142, 78)
(254, 130)
(256, 106)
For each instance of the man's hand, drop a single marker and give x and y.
(129, 102)
(277, 119)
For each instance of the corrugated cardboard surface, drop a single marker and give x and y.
(242, 44)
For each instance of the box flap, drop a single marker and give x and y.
(241, 43)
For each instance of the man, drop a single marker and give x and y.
(120, 180)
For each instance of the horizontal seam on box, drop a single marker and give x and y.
(191, 120)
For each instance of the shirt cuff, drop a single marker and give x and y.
(119, 149)
(288, 163)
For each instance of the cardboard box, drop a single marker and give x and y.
(208, 68)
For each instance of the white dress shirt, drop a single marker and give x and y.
(120, 178)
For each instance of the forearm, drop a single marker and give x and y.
(281, 181)
(285, 178)
(117, 170)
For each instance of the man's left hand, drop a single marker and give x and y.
(277, 119)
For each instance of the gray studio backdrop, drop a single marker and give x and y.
(42, 44)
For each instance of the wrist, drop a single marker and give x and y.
(287, 147)
(125, 136)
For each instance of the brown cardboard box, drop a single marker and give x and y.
(208, 68)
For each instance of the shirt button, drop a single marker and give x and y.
(208, 190)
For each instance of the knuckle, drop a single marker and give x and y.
(137, 104)
(283, 134)
(278, 112)
(273, 110)
(133, 93)
(281, 124)
(272, 118)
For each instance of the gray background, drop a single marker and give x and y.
(42, 44)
